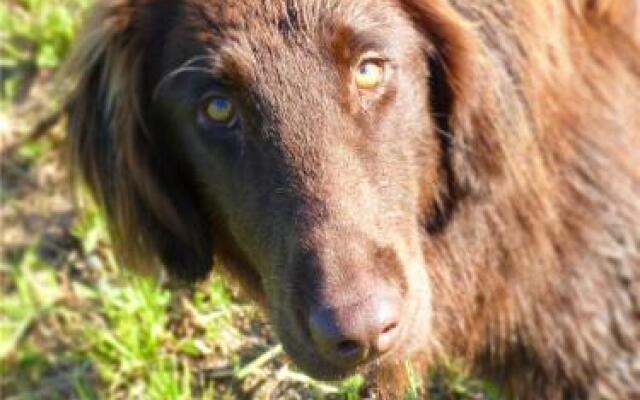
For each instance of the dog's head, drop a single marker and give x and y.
(308, 144)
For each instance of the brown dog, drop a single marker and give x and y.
(390, 179)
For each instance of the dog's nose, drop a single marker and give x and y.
(351, 334)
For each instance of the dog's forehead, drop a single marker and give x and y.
(249, 14)
(243, 35)
(269, 20)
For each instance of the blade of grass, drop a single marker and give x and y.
(258, 362)
(285, 374)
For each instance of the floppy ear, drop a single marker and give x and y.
(148, 194)
(464, 99)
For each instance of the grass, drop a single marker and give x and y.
(73, 324)
(118, 335)
(36, 35)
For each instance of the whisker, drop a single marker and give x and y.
(184, 67)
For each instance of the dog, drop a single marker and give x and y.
(389, 179)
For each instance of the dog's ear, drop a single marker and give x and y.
(150, 200)
(464, 97)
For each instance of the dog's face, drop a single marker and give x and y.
(296, 140)
(310, 135)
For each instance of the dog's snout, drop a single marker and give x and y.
(349, 335)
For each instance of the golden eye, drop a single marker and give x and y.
(369, 74)
(219, 109)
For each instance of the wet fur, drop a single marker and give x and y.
(531, 217)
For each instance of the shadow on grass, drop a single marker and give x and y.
(34, 373)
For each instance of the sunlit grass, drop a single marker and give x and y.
(121, 333)
(35, 35)
(38, 31)
(34, 294)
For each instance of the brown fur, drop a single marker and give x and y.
(493, 181)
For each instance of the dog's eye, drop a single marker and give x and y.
(219, 109)
(370, 74)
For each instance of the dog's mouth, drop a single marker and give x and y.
(334, 328)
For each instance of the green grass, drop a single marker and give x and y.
(73, 324)
(38, 31)
(35, 35)
(35, 293)
(119, 335)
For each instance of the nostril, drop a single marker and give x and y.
(337, 339)
(351, 334)
(348, 348)
(389, 328)
(386, 338)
